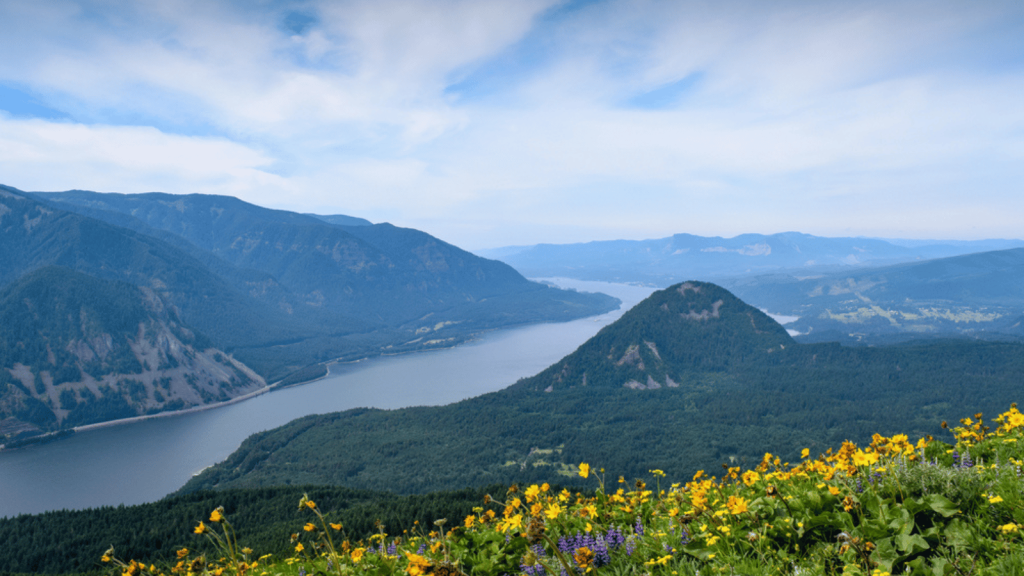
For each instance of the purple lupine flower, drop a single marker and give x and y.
(630, 546)
(564, 545)
(422, 549)
(956, 458)
(535, 570)
(860, 486)
(302, 571)
(638, 527)
(966, 461)
(392, 549)
(614, 538)
(601, 556)
(685, 539)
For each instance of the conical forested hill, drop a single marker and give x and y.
(690, 379)
(690, 327)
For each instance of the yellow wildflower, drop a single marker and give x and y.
(584, 469)
(545, 487)
(995, 499)
(1009, 528)
(553, 511)
(511, 523)
(737, 505)
(584, 557)
(357, 554)
(805, 453)
(311, 505)
(336, 526)
(216, 516)
(417, 564)
(299, 547)
(309, 527)
(660, 561)
(183, 552)
(532, 492)
(469, 521)
(200, 529)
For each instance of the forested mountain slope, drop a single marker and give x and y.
(96, 299)
(77, 349)
(380, 273)
(689, 379)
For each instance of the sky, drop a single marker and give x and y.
(515, 122)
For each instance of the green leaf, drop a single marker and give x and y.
(885, 554)
(911, 543)
(942, 505)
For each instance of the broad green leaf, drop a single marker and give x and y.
(911, 543)
(942, 505)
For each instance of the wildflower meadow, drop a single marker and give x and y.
(892, 507)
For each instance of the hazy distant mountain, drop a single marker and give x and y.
(691, 378)
(980, 295)
(163, 289)
(342, 220)
(684, 256)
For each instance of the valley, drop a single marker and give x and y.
(117, 306)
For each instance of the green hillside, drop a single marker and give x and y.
(129, 305)
(81, 350)
(339, 291)
(689, 379)
(974, 295)
(72, 541)
(381, 274)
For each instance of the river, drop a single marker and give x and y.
(144, 461)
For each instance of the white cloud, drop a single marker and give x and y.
(857, 117)
(42, 155)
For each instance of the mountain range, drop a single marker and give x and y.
(123, 305)
(854, 290)
(666, 261)
(689, 379)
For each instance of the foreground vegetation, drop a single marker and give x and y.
(890, 507)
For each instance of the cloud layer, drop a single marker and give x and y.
(513, 122)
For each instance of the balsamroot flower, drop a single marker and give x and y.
(584, 469)
(417, 564)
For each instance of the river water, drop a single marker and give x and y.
(144, 461)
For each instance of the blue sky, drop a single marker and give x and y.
(526, 121)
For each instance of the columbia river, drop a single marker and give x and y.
(144, 461)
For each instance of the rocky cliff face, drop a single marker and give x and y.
(78, 350)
